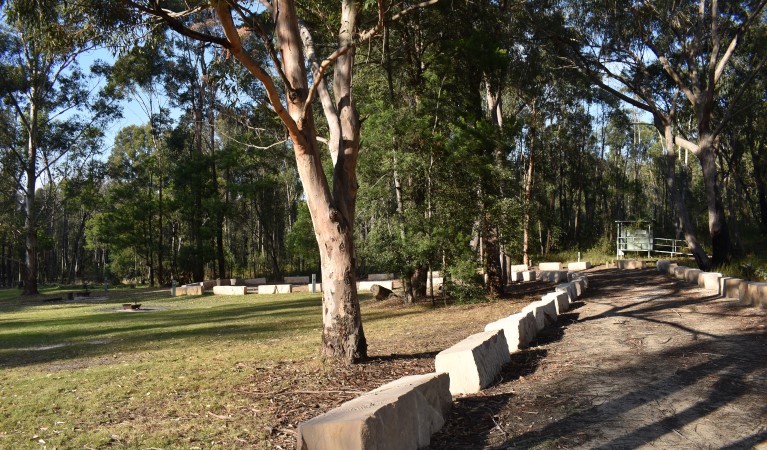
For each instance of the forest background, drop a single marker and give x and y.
(491, 133)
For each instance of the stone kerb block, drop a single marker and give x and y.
(402, 414)
(662, 265)
(554, 276)
(297, 280)
(180, 290)
(561, 301)
(528, 275)
(753, 293)
(729, 287)
(518, 329)
(474, 362)
(679, 272)
(317, 287)
(579, 287)
(208, 285)
(366, 285)
(237, 282)
(275, 289)
(691, 276)
(546, 266)
(709, 280)
(569, 289)
(229, 290)
(672, 269)
(380, 276)
(194, 290)
(515, 276)
(582, 265)
(254, 281)
(630, 264)
(544, 311)
(519, 267)
(438, 281)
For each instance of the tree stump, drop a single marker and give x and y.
(380, 292)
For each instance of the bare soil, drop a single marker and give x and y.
(642, 362)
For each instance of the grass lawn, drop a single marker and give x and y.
(193, 371)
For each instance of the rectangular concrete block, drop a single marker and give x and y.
(569, 289)
(553, 276)
(519, 268)
(380, 276)
(254, 281)
(438, 281)
(518, 329)
(275, 289)
(229, 290)
(580, 287)
(194, 290)
(729, 287)
(679, 272)
(672, 269)
(709, 280)
(474, 362)
(528, 275)
(545, 266)
(402, 414)
(317, 287)
(691, 276)
(561, 301)
(630, 264)
(515, 276)
(297, 280)
(753, 293)
(662, 265)
(583, 265)
(366, 285)
(180, 290)
(544, 311)
(208, 285)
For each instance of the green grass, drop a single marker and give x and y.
(84, 374)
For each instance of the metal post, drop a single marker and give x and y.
(314, 283)
(173, 288)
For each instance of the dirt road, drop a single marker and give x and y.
(643, 362)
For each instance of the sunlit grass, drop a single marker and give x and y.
(85, 374)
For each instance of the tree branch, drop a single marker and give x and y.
(172, 21)
(736, 39)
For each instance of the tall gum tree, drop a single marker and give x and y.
(332, 209)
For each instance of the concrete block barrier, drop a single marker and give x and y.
(691, 276)
(275, 289)
(229, 290)
(474, 362)
(709, 280)
(317, 287)
(254, 281)
(753, 293)
(519, 268)
(630, 264)
(662, 265)
(528, 275)
(561, 301)
(569, 289)
(402, 414)
(515, 276)
(366, 285)
(380, 276)
(545, 266)
(518, 329)
(180, 290)
(679, 272)
(729, 287)
(582, 265)
(672, 269)
(545, 312)
(194, 290)
(297, 280)
(554, 276)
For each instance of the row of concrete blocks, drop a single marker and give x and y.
(405, 413)
(270, 288)
(748, 293)
(630, 264)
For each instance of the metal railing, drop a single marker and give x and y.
(672, 247)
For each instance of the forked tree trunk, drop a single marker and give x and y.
(677, 201)
(30, 223)
(717, 224)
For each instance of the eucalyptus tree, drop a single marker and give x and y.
(654, 54)
(50, 96)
